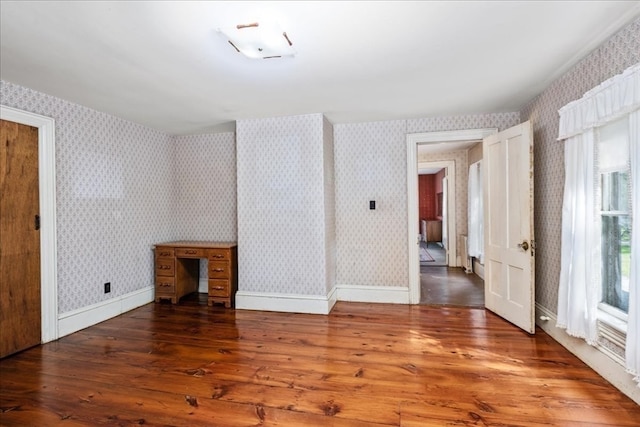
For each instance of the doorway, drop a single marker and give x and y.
(442, 283)
(442, 141)
(434, 213)
(47, 200)
(20, 242)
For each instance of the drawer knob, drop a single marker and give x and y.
(191, 252)
(218, 270)
(218, 256)
(218, 288)
(164, 267)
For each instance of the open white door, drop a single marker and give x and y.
(509, 288)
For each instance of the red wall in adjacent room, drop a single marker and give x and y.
(437, 184)
(427, 197)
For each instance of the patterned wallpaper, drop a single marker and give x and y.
(115, 197)
(611, 58)
(472, 121)
(281, 205)
(205, 173)
(122, 187)
(462, 179)
(371, 164)
(329, 204)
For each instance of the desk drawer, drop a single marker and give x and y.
(165, 267)
(217, 254)
(165, 285)
(219, 270)
(191, 253)
(165, 252)
(218, 288)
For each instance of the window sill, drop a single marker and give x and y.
(613, 318)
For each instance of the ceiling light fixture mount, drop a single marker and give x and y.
(259, 41)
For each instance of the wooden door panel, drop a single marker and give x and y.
(19, 240)
(508, 212)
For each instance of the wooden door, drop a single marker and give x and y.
(508, 211)
(20, 324)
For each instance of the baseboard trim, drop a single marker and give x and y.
(76, 320)
(309, 304)
(478, 268)
(604, 365)
(374, 294)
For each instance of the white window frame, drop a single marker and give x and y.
(611, 321)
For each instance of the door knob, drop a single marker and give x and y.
(524, 245)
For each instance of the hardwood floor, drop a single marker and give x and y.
(362, 365)
(450, 286)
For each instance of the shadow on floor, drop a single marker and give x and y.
(441, 285)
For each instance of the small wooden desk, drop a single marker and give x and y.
(434, 231)
(177, 270)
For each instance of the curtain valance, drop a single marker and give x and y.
(612, 99)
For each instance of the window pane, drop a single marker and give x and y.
(615, 191)
(612, 160)
(616, 260)
(613, 146)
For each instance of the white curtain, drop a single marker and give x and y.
(579, 288)
(578, 293)
(475, 242)
(610, 100)
(632, 351)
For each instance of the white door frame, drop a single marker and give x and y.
(413, 139)
(47, 184)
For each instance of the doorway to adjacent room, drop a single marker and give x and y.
(440, 285)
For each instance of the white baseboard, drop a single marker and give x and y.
(319, 304)
(604, 365)
(87, 316)
(375, 294)
(76, 320)
(310, 304)
(478, 268)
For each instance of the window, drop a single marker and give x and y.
(613, 162)
(599, 288)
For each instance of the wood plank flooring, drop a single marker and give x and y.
(450, 286)
(362, 365)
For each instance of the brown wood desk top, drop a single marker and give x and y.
(198, 244)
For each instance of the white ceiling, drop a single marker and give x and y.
(162, 64)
